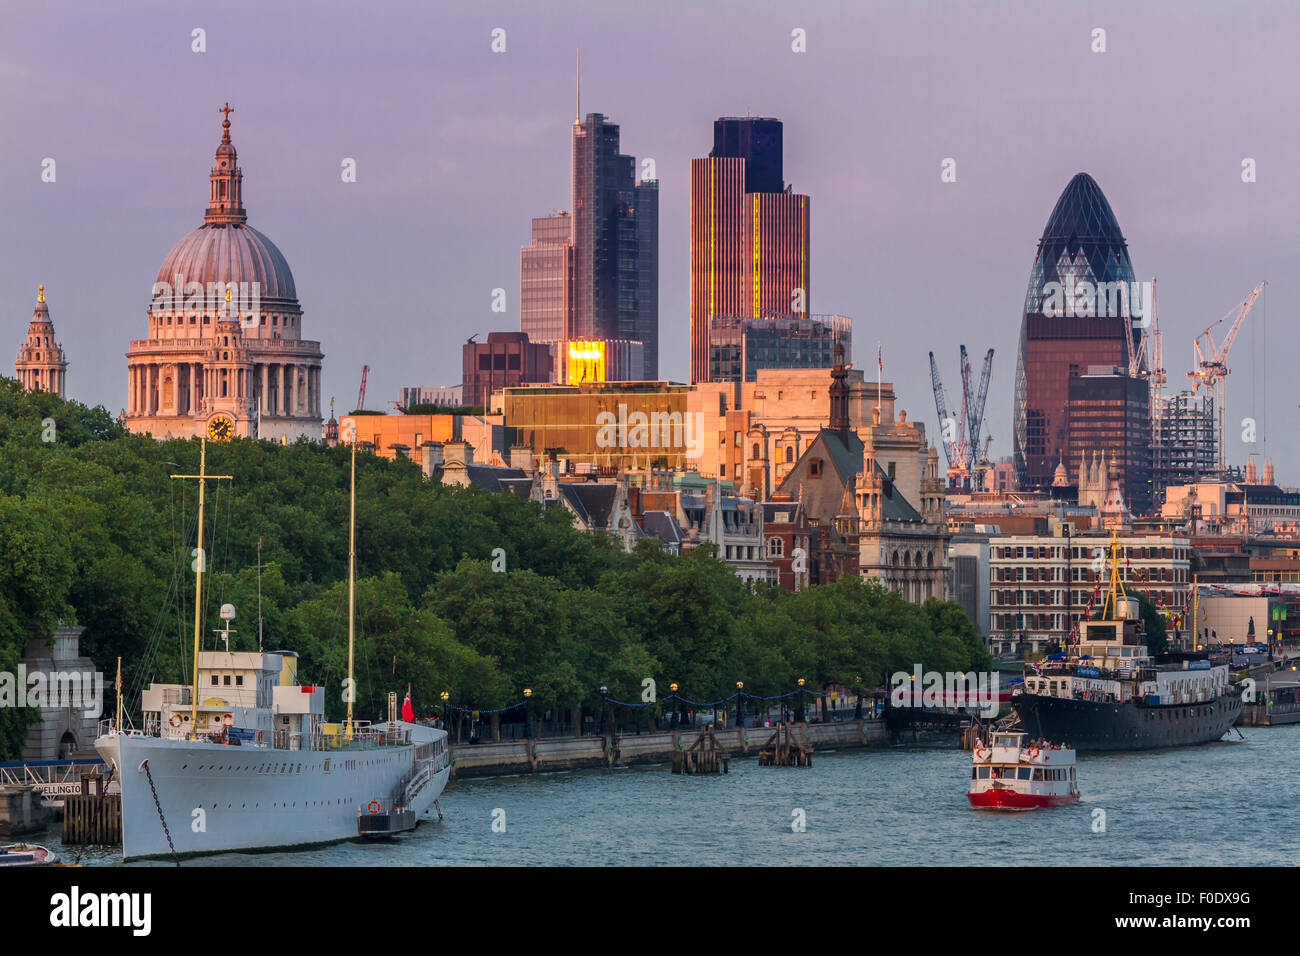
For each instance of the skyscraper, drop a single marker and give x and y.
(1109, 412)
(546, 280)
(615, 243)
(759, 142)
(749, 233)
(1081, 306)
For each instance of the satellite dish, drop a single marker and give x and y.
(227, 612)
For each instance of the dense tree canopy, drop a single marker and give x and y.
(95, 531)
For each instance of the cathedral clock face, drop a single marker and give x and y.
(221, 428)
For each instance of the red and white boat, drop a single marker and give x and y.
(1010, 774)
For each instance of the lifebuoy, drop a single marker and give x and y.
(982, 753)
(174, 720)
(1033, 752)
(259, 736)
(228, 719)
(374, 806)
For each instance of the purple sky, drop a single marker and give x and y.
(458, 147)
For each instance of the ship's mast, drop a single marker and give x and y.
(1116, 589)
(200, 559)
(352, 577)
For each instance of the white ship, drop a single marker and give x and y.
(243, 757)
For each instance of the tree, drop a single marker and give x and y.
(1153, 623)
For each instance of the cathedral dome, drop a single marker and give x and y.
(223, 252)
(225, 249)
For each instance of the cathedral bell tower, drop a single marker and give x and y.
(41, 364)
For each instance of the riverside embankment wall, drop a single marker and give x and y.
(573, 753)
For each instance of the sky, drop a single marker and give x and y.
(457, 147)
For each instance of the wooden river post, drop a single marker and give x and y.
(704, 756)
(92, 817)
(783, 749)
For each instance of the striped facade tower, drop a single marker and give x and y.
(750, 245)
(41, 364)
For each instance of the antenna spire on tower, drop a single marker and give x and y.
(577, 87)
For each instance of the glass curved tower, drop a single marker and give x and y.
(1081, 303)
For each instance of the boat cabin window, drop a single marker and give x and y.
(984, 773)
(1024, 773)
(1038, 773)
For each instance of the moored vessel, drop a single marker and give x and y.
(26, 854)
(243, 757)
(1107, 692)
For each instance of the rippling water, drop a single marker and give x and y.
(1229, 803)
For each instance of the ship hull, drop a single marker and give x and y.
(1010, 800)
(1094, 725)
(218, 798)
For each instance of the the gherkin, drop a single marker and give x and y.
(1081, 243)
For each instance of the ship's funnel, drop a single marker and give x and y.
(1126, 609)
(288, 668)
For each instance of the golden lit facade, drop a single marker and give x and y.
(750, 252)
(586, 362)
(608, 424)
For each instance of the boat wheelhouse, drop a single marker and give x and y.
(1012, 774)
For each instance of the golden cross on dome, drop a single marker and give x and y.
(227, 109)
(40, 293)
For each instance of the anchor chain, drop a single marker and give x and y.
(166, 832)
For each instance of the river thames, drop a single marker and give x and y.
(1231, 803)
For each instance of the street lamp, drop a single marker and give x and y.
(677, 710)
(798, 713)
(604, 691)
(528, 715)
(446, 697)
(857, 690)
(740, 703)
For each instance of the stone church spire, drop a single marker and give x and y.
(839, 394)
(225, 198)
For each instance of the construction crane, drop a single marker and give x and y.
(961, 436)
(1211, 366)
(361, 394)
(1137, 355)
(975, 423)
(941, 406)
(963, 423)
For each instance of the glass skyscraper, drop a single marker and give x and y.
(615, 243)
(749, 233)
(1081, 304)
(739, 346)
